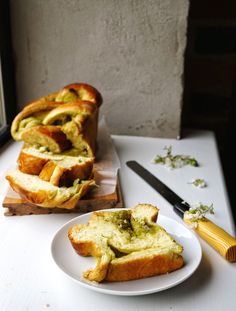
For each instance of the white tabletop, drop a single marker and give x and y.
(30, 280)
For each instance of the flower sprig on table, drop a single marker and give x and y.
(197, 212)
(174, 161)
(198, 182)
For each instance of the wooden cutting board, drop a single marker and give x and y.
(13, 204)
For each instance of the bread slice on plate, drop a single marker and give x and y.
(44, 194)
(127, 244)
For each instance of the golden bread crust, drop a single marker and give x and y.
(63, 176)
(52, 173)
(143, 267)
(86, 92)
(30, 164)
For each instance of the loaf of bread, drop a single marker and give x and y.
(127, 244)
(59, 131)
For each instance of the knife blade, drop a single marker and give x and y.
(218, 238)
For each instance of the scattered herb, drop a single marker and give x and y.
(199, 183)
(197, 212)
(174, 161)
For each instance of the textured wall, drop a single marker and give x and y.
(132, 51)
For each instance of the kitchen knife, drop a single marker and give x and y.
(218, 238)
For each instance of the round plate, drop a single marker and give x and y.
(74, 265)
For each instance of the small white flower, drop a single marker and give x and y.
(197, 212)
(174, 161)
(198, 182)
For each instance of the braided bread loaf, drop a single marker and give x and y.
(59, 131)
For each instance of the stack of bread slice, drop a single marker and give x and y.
(59, 131)
(128, 245)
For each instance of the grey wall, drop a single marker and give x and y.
(132, 51)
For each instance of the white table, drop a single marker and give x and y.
(29, 279)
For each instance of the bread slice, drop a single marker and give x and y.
(127, 244)
(44, 194)
(31, 160)
(66, 171)
(49, 137)
(58, 169)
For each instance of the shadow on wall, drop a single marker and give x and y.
(210, 77)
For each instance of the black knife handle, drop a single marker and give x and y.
(181, 208)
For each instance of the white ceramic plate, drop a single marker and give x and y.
(74, 265)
